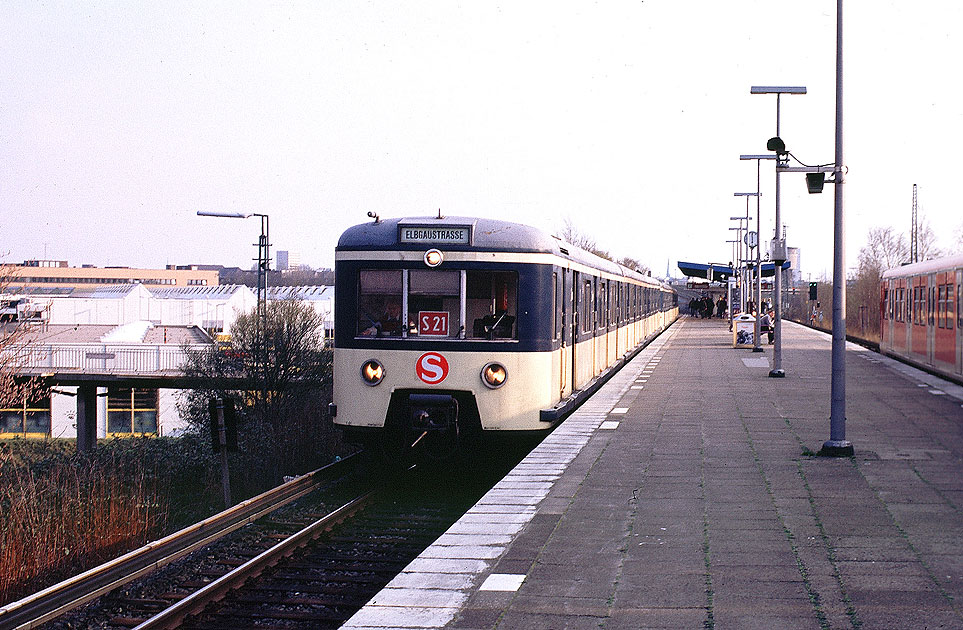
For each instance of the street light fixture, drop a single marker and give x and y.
(837, 445)
(731, 281)
(739, 258)
(758, 158)
(263, 266)
(264, 248)
(758, 284)
(778, 244)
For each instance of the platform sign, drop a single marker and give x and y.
(432, 368)
(433, 323)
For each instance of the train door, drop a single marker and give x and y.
(907, 302)
(581, 319)
(886, 324)
(917, 344)
(959, 321)
(930, 287)
(944, 333)
(567, 351)
(573, 327)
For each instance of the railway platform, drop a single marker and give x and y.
(686, 494)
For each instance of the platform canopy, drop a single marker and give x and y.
(717, 272)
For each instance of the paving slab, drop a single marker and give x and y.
(696, 502)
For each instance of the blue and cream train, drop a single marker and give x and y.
(451, 328)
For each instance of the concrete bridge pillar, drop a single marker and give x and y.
(86, 418)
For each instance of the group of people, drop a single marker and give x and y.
(704, 306)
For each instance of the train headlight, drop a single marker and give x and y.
(494, 375)
(372, 372)
(433, 258)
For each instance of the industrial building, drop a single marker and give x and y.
(56, 273)
(102, 329)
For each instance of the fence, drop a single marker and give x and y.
(101, 358)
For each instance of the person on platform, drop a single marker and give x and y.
(765, 325)
(721, 307)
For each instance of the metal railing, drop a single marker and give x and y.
(102, 358)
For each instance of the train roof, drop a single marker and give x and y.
(927, 266)
(472, 233)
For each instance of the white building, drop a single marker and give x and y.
(795, 268)
(127, 323)
(113, 355)
(288, 261)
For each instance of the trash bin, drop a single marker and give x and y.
(743, 331)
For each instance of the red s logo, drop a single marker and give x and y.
(432, 368)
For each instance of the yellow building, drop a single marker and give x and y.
(56, 273)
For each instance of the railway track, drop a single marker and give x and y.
(54, 601)
(306, 566)
(331, 578)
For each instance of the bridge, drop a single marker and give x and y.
(136, 356)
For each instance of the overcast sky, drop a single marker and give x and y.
(120, 120)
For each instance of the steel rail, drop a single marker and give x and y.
(60, 598)
(198, 600)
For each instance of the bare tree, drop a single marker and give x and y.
(14, 387)
(884, 249)
(926, 241)
(634, 264)
(274, 424)
(577, 237)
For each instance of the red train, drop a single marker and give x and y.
(922, 315)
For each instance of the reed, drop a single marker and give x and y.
(62, 514)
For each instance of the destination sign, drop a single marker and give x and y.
(431, 234)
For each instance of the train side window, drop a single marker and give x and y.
(931, 305)
(918, 316)
(941, 306)
(588, 307)
(491, 306)
(556, 306)
(379, 303)
(950, 304)
(619, 306)
(434, 303)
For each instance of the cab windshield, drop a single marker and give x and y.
(437, 304)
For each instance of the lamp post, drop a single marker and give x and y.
(758, 158)
(263, 255)
(757, 290)
(730, 281)
(739, 259)
(837, 445)
(778, 245)
(263, 266)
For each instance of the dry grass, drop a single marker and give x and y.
(63, 514)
